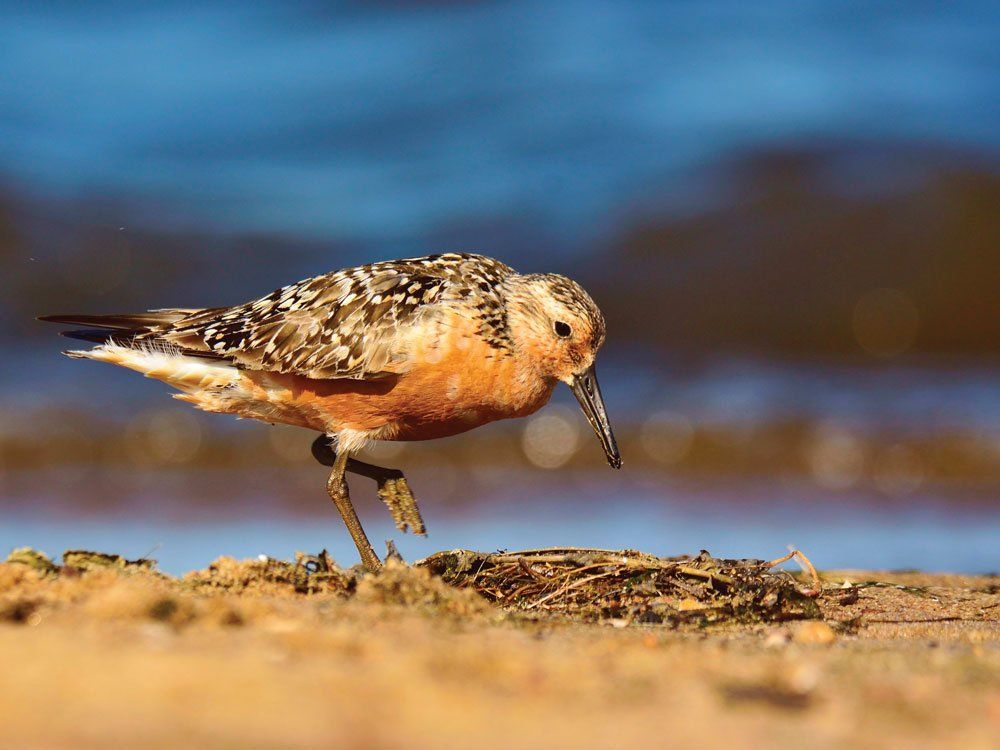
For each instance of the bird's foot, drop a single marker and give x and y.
(398, 498)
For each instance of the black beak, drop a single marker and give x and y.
(588, 393)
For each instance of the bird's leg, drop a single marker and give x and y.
(336, 485)
(392, 486)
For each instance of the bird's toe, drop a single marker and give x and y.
(395, 493)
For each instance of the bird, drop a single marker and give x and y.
(399, 350)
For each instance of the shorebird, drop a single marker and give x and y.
(409, 349)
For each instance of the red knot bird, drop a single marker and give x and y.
(400, 350)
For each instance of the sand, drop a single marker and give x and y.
(262, 654)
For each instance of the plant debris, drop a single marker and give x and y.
(309, 574)
(32, 558)
(82, 560)
(583, 584)
(594, 585)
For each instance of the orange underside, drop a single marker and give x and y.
(446, 391)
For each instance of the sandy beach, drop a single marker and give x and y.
(270, 654)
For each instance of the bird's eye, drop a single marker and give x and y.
(562, 329)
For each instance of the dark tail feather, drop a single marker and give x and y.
(120, 322)
(126, 329)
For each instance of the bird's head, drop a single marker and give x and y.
(557, 328)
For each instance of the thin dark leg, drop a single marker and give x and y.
(337, 487)
(392, 486)
(323, 451)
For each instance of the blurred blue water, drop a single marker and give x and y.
(392, 123)
(835, 533)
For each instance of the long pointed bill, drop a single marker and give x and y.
(588, 393)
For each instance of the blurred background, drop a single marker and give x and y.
(790, 212)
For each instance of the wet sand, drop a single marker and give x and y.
(268, 655)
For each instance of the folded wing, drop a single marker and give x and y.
(347, 324)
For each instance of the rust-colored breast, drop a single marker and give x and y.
(454, 382)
